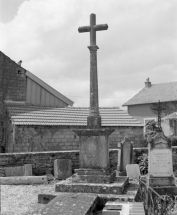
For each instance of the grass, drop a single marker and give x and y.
(22, 199)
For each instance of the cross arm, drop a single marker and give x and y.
(100, 27)
(84, 29)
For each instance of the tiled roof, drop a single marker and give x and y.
(171, 116)
(69, 116)
(164, 92)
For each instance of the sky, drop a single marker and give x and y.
(140, 43)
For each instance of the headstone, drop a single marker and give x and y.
(133, 171)
(160, 161)
(27, 170)
(126, 155)
(62, 168)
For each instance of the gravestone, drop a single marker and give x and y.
(160, 161)
(133, 171)
(27, 170)
(62, 168)
(126, 155)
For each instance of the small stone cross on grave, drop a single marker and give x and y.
(159, 110)
(94, 118)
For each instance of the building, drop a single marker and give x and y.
(20, 85)
(35, 117)
(36, 128)
(142, 104)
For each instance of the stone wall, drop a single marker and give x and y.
(44, 160)
(55, 138)
(12, 87)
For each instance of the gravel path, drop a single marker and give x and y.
(22, 199)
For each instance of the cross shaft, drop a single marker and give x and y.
(94, 118)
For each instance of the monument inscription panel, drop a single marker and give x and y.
(161, 163)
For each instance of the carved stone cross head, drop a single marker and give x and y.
(92, 29)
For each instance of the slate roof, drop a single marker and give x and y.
(68, 116)
(164, 92)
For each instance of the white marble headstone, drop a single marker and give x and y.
(133, 171)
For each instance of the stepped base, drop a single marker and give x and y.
(117, 187)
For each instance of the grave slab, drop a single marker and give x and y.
(16, 180)
(121, 208)
(71, 203)
(62, 168)
(25, 170)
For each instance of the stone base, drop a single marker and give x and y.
(94, 122)
(107, 179)
(161, 181)
(119, 173)
(116, 188)
(94, 176)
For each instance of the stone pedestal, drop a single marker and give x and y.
(94, 156)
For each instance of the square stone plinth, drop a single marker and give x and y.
(115, 188)
(93, 148)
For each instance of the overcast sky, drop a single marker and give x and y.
(140, 43)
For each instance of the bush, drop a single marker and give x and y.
(143, 163)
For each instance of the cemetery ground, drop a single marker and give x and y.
(22, 199)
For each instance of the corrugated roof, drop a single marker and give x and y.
(164, 92)
(69, 116)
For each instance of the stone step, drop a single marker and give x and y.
(71, 203)
(117, 187)
(16, 180)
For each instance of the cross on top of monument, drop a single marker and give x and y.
(92, 28)
(94, 118)
(159, 110)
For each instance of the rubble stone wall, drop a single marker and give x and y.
(54, 138)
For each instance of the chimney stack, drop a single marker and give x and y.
(20, 63)
(148, 83)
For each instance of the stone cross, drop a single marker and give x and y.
(159, 110)
(94, 118)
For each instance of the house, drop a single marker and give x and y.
(36, 128)
(19, 85)
(142, 104)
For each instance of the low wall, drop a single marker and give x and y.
(45, 160)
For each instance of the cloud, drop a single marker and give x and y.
(139, 43)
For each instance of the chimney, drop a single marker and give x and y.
(147, 83)
(20, 63)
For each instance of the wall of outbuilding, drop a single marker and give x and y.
(57, 138)
(12, 87)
